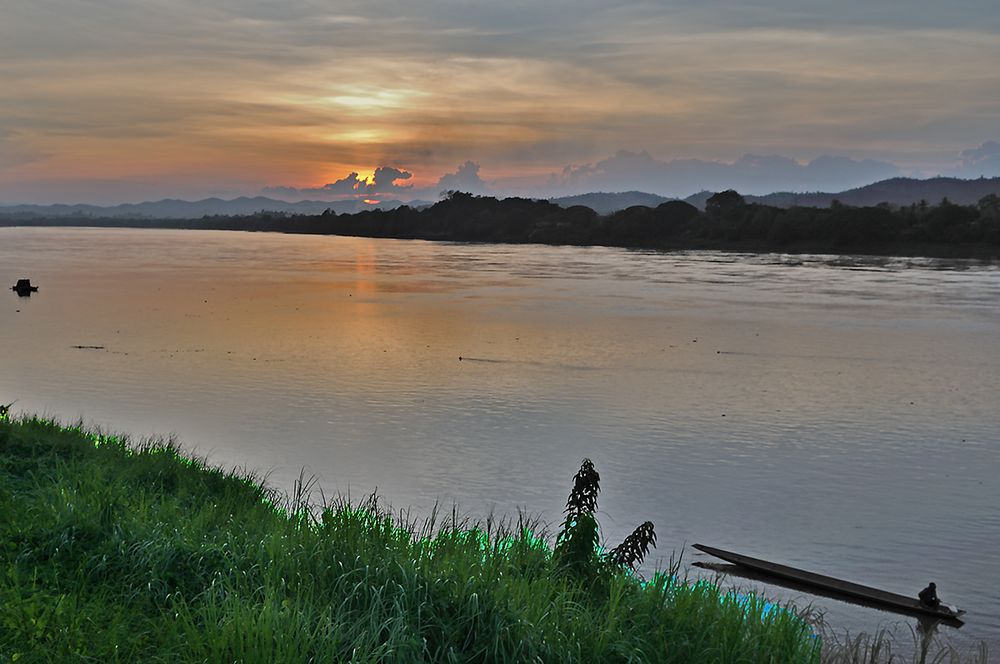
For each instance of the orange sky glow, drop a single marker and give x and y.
(123, 100)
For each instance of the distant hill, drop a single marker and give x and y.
(698, 200)
(606, 203)
(895, 191)
(729, 223)
(178, 209)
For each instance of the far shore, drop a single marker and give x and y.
(730, 224)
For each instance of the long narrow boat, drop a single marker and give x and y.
(834, 586)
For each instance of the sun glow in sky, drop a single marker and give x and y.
(111, 100)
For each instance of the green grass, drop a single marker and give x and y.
(886, 648)
(113, 552)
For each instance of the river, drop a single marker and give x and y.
(840, 414)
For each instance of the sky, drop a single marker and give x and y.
(106, 101)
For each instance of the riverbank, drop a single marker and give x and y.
(118, 552)
(728, 224)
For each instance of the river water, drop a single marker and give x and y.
(840, 414)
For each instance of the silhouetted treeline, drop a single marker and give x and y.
(728, 222)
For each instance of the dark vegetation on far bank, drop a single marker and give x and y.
(113, 552)
(728, 223)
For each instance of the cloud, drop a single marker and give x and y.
(384, 180)
(750, 174)
(466, 179)
(348, 185)
(262, 92)
(981, 161)
(15, 153)
(345, 186)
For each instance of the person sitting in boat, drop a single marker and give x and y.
(928, 596)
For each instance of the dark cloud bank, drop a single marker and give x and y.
(384, 181)
(981, 161)
(639, 171)
(751, 174)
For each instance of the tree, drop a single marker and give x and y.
(721, 204)
(990, 204)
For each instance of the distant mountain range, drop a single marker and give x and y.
(606, 203)
(895, 191)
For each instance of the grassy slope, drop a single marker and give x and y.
(114, 553)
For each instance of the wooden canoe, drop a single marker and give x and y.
(832, 585)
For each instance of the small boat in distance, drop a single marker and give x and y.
(24, 288)
(835, 586)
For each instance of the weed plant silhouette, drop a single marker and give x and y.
(577, 552)
(635, 547)
(586, 486)
(576, 545)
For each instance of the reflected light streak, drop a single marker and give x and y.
(365, 268)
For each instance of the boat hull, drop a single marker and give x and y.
(833, 585)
